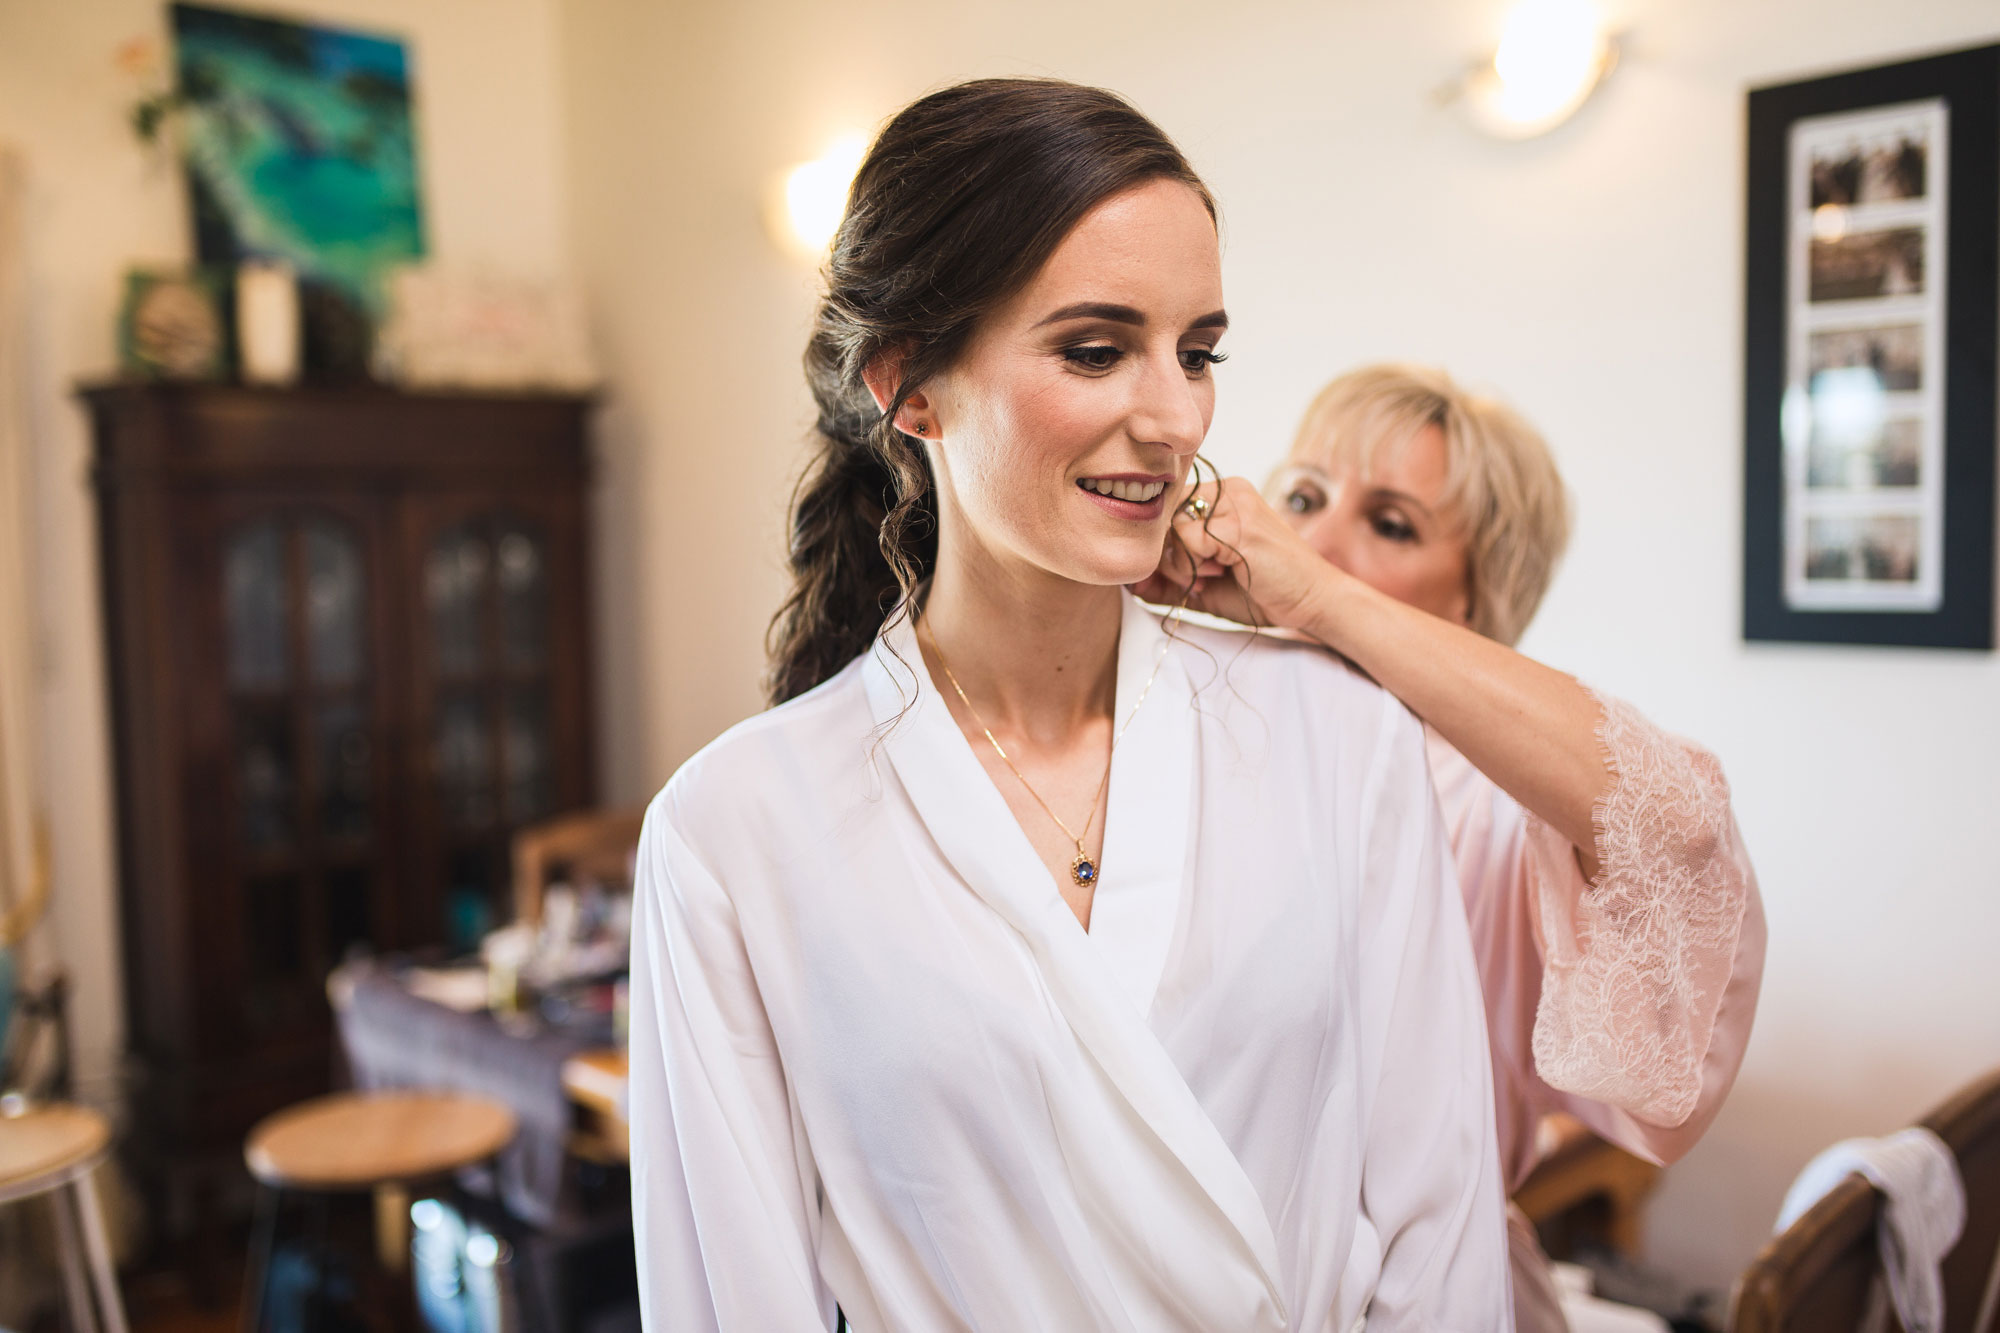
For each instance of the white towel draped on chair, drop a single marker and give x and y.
(1920, 1222)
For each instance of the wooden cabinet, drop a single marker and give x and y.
(347, 642)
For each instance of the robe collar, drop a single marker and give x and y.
(1103, 981)
(1149, 824)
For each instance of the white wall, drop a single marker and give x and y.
(1595, 277)
(489, 153)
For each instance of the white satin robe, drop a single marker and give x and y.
(876, 1061)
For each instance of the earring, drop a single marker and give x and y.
(922, 429)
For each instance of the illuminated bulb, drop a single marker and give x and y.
(1552, 55)
(814, 196)
(1829, 222)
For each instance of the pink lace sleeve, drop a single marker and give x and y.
(1636, 964)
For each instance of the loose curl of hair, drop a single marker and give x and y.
(961, 200)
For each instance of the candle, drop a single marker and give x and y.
(267, 321)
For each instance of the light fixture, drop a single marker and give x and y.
(805, 204)
(1552, 55)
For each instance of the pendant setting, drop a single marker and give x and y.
(1083, 870)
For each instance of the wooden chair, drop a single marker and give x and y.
(582, 845)
(1585, 1189)
(1823, 1274)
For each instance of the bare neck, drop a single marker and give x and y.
(1036, 654)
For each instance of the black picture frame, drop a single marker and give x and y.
(1780, 562)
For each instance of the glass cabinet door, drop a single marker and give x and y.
(296, 611)
(488, 623)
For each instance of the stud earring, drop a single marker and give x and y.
(923, 429)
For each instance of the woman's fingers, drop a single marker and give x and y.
(1241, 542)
(1210, 538)
(1178, 568)
(1215, 596)
(1237, 557)
(1226, 598)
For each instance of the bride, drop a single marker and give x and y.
(1039, 962)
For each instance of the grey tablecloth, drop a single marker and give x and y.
(396, 1040)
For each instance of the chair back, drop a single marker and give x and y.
(1823, 1274)
(1969, 1124)
(584, 844)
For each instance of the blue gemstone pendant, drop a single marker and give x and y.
(1084, 871)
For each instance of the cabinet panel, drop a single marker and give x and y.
(457, 583)
(345, 743)
(500, 683)
(294, 589)
(258, 605)
(266, 771)
(463, 746)
(336, 603)
(521, 560)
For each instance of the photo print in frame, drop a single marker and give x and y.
(1872, 301)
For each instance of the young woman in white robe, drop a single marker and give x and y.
(1614, 910)
(1164, 1019)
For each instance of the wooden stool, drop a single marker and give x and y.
(42, 1151)
(358, 1142)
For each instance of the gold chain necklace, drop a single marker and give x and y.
(1083, 870)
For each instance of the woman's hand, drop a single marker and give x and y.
(1244, 562)
(1531, 729)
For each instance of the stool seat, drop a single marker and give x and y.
(52, 1150)
(361, 1140)
(42, 1148)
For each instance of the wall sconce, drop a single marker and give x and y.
(803, 207)
(1552, 56)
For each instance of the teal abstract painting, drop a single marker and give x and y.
(299, 147)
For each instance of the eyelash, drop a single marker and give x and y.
(1096, 356)
(1392, 529)
(1086, 357)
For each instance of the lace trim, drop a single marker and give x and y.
(1635, 965)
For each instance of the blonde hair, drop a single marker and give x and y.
(1499, 477)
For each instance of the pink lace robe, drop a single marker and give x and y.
(1626, 1003)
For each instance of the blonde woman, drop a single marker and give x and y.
(1615, 918)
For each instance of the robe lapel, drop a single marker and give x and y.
(1149, 824)
(1103, 984)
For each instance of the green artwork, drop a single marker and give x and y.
(299, 147)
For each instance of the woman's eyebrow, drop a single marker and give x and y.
(1117, 314)
(1402, 498)
(1125, 314)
